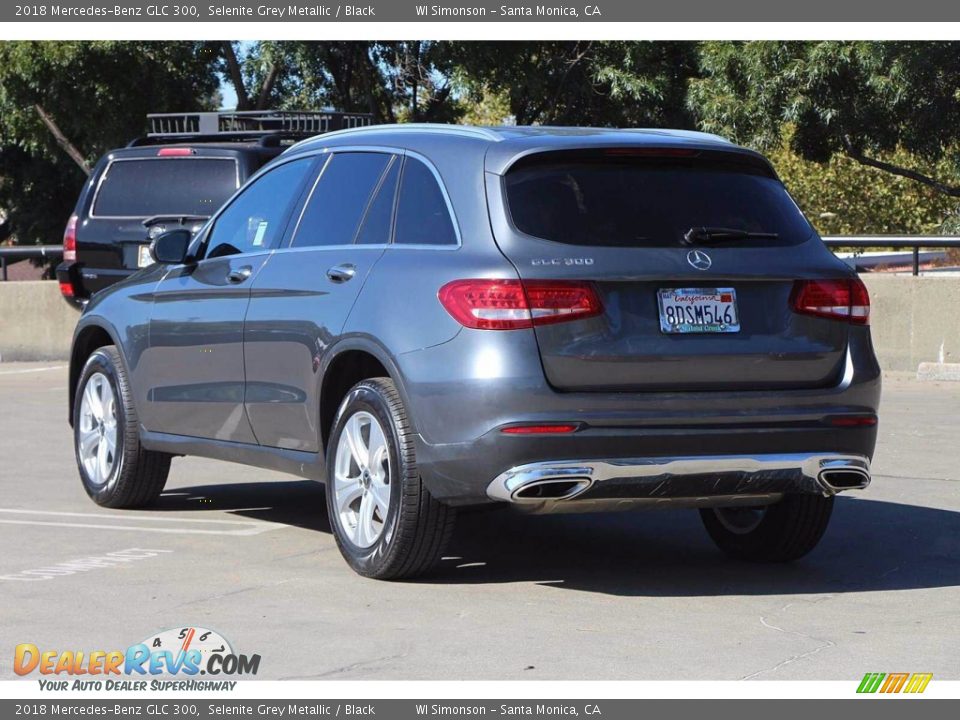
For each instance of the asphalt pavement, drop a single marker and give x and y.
(642, 595)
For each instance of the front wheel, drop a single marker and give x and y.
(116, 471)
(387, 524)
(782, 532)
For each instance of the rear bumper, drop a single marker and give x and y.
(86, 280)
(696, 481)
(461, 394)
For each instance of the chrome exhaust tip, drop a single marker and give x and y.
(532, 484)
(837, 479)
(551, 489)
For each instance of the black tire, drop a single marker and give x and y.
(137, 475)
(787, 530)
(416, 527)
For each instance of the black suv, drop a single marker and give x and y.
(178, 175)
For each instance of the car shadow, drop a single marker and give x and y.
(298, 503)
(869, 546)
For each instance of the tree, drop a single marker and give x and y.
(64, 104)
(863, 100)
(394, 81)
(581, 82)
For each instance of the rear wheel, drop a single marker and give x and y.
(115, 470)
(782, 532)
(386, 523)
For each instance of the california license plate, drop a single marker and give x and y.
(143, 256)
(698, 310)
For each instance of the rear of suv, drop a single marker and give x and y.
(555, 319)
(185, 168)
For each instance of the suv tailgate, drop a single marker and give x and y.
(618, 221)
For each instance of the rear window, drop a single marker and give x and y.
(647, 202)
(165, 186)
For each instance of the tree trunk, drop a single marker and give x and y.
(236, 76)
(62, 140)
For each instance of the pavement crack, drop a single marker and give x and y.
(346, 668)
(824, 643)
(235, 592)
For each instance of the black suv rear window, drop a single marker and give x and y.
(165, 186)
(617, 201)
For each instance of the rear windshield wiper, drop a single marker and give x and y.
(708, 234)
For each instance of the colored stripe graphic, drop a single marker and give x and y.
(870, 682)
(918, 682)
(894, 682)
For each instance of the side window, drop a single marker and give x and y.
(256, 218)
(339, 199)
(422, 214)
(376, 226)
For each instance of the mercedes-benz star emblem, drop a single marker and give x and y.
(699, 259)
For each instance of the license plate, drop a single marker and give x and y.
(143, 256)
(698, 310)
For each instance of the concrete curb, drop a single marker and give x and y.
(939, 371)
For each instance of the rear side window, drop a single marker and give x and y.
(633, 202)
(165, 186)
(422, 214)
(332, 214)
(257, 217)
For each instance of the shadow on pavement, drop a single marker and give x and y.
(300, 503)
(869, 546)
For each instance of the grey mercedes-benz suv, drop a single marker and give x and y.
(559, 319)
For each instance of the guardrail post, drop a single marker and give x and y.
(916, 260)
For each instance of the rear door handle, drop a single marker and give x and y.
(240, 274)
(342, 273)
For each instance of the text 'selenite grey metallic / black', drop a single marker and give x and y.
(427, 317)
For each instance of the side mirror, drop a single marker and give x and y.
(170, 248)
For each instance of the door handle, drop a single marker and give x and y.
(240, 274)
(342, 273)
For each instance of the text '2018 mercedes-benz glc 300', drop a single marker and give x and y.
(432, 317)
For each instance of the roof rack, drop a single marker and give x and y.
(247, 125)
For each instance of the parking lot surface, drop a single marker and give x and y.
(644, 595)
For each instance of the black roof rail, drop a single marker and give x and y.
(271, 126)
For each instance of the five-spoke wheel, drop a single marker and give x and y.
(362, 479)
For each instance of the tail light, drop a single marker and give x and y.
(70, 240)
(512, 304)
(835, 299)
(66, 289)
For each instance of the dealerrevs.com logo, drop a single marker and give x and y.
(186, 652)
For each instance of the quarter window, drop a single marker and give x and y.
(256, 219)
(332, 214)
(375, 229)
(422, 214)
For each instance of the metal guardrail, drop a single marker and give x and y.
(894, 242)
(21, 252)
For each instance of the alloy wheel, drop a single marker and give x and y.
(97, 435)
(362, 479)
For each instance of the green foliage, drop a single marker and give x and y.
(98, 93)
(625, 84)
(860, 99)
(842, 197)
